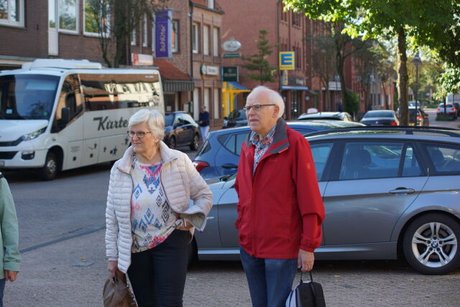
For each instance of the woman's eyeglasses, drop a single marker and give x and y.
(257, 107)
(138, 134)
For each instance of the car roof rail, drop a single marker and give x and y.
(401, 129)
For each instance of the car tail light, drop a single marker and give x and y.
(394, 123)
(200, 165)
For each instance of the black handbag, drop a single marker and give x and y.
(306, 294)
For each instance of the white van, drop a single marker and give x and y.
(62, 114)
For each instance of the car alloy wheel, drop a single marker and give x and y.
(431, 244)
(195, 142)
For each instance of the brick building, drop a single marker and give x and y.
(64, 29)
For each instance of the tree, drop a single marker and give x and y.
(258, 63)
(404, 19)
(115, 21)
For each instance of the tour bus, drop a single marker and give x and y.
(60, 114)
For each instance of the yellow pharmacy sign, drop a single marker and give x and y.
(287, 60)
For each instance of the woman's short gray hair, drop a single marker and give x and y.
(272, 97)
(152, 118)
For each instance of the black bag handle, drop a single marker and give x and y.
(311, 282)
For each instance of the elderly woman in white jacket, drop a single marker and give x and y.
(156, 199)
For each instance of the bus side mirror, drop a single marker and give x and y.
(65, 116)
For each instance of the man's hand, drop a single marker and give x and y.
(10, 275)
(305, 260)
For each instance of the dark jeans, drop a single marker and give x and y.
(157, 275)
(2, 289)
(269, 280)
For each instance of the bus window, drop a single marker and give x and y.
(70, 103)
(27, 96)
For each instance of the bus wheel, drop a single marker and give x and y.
(51, 167)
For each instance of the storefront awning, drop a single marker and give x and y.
(294, 88)
(235, 86)
(174, 80)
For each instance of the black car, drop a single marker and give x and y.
(181, 130)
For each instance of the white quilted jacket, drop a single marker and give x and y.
(181, 183)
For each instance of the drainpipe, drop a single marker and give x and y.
(191, 54)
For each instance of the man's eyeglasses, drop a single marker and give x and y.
(257, 107)
(139, 134)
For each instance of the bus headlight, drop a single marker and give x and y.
(33, 135)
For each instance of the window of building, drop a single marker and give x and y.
(215, 41)
(296, 19)
(206, 40)
(211, 4)
(284, 14)
(68, 15)
(145, 31)
(12, 12)
(196, 38)
(133, 37)
(175, 36)
(96, 18)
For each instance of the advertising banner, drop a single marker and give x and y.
(162, 33)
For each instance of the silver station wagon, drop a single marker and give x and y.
(389, 192)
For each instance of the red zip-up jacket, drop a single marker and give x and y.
(280, 208)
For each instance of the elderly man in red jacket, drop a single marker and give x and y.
(280, 210)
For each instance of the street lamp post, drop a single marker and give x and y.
(417, 62)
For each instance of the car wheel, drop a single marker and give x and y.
(195, 142)
(430, 244)
(172, 142)
(51, 168)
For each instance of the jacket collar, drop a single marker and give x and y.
(280, 139)
(126, 162)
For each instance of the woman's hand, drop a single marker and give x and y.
(112, 267)
(185, 226)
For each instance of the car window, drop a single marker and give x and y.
(371, 160)
(320, 154)
(444, 159)
(411, 166)
(233, 142)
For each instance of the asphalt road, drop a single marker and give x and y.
(62, 244)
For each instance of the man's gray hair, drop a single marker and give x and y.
(272, 97)
(154, 120)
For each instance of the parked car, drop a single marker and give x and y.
(220, 153)
(380, 118)
(457, 107)
(181, 130)
(446, 111)
(388, 192)
(236, 118)
(420, 115)
(327, 116)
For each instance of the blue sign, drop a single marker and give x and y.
(163, 30)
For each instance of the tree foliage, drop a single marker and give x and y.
(115, 20)
(420, 21)
(258, 64)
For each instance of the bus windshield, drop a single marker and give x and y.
(27, 96)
